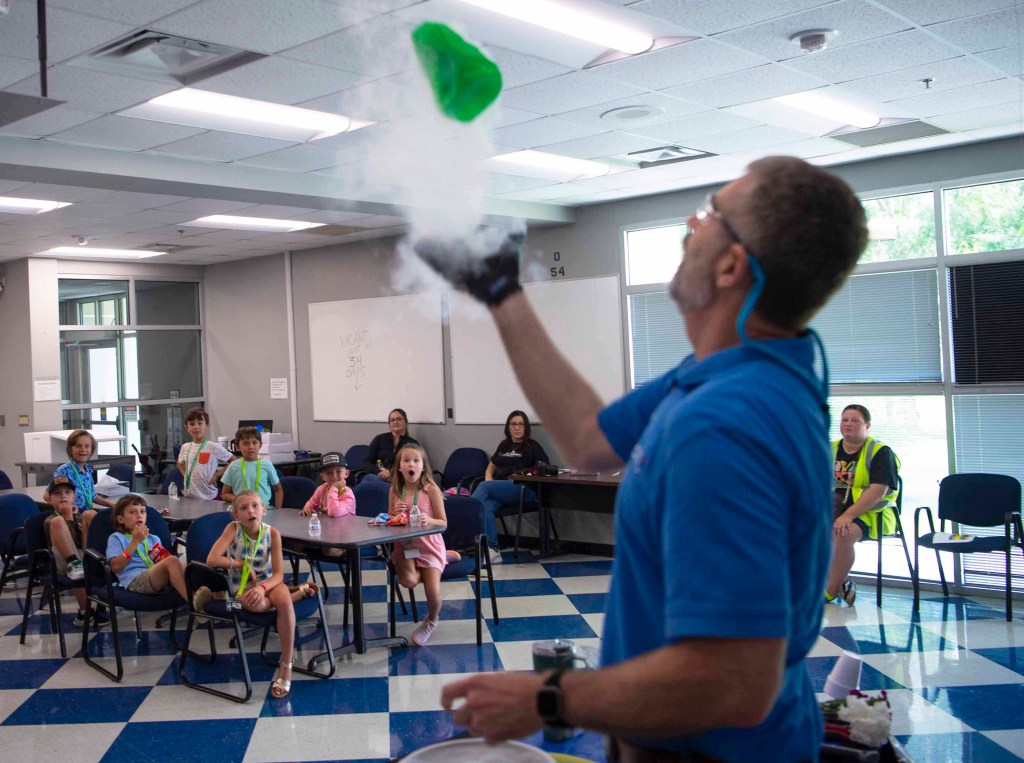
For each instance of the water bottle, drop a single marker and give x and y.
(314, 525)
(415, 516)
(172, 491)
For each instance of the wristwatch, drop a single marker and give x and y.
(549, 701)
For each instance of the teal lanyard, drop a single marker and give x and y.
(245, 479)
(195, 459)
(141, 551)
(81, 480)
(415, 497)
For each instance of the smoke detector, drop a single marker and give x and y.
(632, 113)
(813, 40)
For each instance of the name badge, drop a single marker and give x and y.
(412, 553)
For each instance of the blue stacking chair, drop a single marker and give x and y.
(525, 506)
(43, 573)
(124, 473)
(371, 500)
(15, 510)
(354, 456)
(297, 491)
(5, 481)
(465, 534)
(201, 536)
(975, 500)
(172, 475)
(464, 467)
(103, 589)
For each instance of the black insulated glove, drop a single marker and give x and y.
(491, 278)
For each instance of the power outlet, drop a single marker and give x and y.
(3, 420)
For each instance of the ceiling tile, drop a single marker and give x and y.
(6, 186)
(961, 99)
(281, 80)
(988, 116)
(379, 221)
(58, 192)
(856, 20)
(576, 90)
(15, 69)
(686, 62)
(203, 207)
(746, 86)
(540, 132)
(264, 26)
(599, 146)
(380, 46)
(136, 13)
(746, 140)
(548, 193)
(926, 12)
(48, 122)
(139, 200)
(222, 146)
(711, 18)
(276, 211)
(498, 183)
(518, 69)
(1009, 60)
(379, 101)
(89, 90)
(503, 116)
(125, 133)
(68, 34)
(666, 108)
(906, 83)
(867, 59)
(305, 157)
(990, 31)
(331, 216)
(810, 147)
(696, 126)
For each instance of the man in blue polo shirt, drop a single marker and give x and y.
(726, 485)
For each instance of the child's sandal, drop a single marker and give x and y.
(308, 590)
(281, 688)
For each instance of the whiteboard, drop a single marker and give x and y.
(368, 356)
(583, 317)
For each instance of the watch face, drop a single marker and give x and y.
(549, 703)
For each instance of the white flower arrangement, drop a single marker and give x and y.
(859, 717)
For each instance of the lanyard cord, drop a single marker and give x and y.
(247, 563)
(195, 459)
(245, 479)
(141, 551)
(87, 490)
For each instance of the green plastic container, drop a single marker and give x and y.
(464, 80)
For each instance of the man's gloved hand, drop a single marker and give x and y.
(490, 279)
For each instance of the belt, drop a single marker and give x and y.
(621, 751)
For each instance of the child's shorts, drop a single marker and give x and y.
(74, 527)
(142, 584)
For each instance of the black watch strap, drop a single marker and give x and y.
(549, 701)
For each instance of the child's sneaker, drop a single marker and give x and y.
(848, 592)
(99, 618)
(421, 635)
(76, 571)
(494, 555)
(200, 599)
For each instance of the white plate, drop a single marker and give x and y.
(478, 751)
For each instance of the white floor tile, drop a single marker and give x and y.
(373, 664)
(525, 571)
(862, 614)
(946, 668)
(533, 606)
(138, 671)
(74, 741)
(1012, 740)
(11, 699)
(824, 648)
(180, 703)
(38, 647)
(320, 737)
(596, 621)
(418, 693)
(913, 714)
(449, 632)
(518, 655)
(980, 634)
(585, 584)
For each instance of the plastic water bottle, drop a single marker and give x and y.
(314, 525)
(415, 516)
(172, 491)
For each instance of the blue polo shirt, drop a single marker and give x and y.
(722, 527)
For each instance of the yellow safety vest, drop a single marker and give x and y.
(886, 506)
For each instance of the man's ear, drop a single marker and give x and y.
(732, 267)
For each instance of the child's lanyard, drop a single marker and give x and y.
(415, 496)
(87, 492)
(247, 564)
(141, 551)
(245, 479)
(195, 459)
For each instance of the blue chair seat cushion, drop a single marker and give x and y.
(303, 608)
(63, 581)
(978, 545)
(143, 602)
(462, 568)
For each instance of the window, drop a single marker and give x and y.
(901, 228)
(657, 336)
(128, 348)
(986, 218)
(653, 254)
(987, 313)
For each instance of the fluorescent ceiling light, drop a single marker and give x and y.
(93, 251)
(562, 16)
(544, 165)
(269, 224)
(833, 108)
(30, 206)
(230, 113)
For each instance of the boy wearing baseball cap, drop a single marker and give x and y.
(334, 498)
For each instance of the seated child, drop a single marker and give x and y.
(80, 448)
(251, 552)
(333, 498)
(141, 563)
(251, 472)
(201, 462)
(64, 536)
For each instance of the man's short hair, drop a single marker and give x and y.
(197, 414)
(807, 228)
(247, 433)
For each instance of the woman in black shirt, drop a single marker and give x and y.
(380, 456)
(516, 452)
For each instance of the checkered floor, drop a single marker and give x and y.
(955, 675)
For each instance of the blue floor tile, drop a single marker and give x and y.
(956, 748)
(444, 658)
(12, 603)
(985, 708)
(227, 668)
(341, 695)
(936, 609)
(541, 628)
(60, 706)
(870, 679)
(40, 625)
(1010, 657)
(538, 587)
(578, 569)
(27, 674)
(166, 741)
(411, 731)
(877, 639)
(152, 642)
(589, 603)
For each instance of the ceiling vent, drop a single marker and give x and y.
(164, 58)
(656, 157)
(887, 133)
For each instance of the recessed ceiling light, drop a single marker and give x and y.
(230, 113)
(268, 224)
(93, 251)
(564, 17)
(830, 107)
(632, 113)
(552, 166)
(29, 206)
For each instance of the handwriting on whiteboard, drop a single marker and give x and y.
(354, 345)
